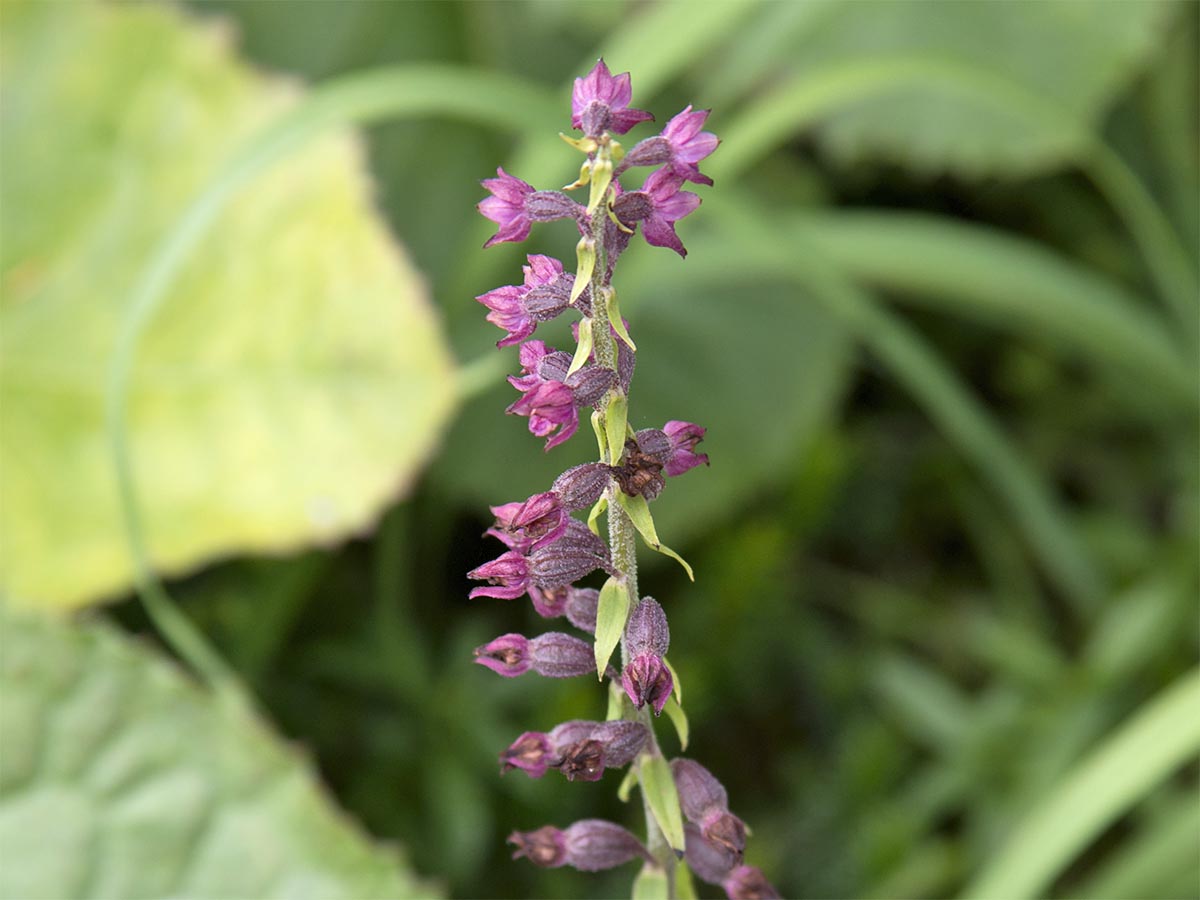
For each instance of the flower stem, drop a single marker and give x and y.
(622, 538)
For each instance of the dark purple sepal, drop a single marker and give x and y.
(646, 630)
(558, 655)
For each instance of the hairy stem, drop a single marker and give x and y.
(622, 538)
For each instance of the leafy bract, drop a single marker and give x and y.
(119, 778)
(976, 88)
(293, 379)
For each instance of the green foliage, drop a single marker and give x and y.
(274, 400)
(119, 778)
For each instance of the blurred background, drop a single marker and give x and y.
(939, 316)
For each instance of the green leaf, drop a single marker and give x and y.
(685, 888)
(120, 778)
(595, 513)
(1163, 735)
(658, 788)
(978, 89)
(611, 611)
(677, 688)
(293, 379)
(679, 719)
(584, 348)
(639, 513)
(627, 783)
(650, 884)
(614, 427)
(613, 308)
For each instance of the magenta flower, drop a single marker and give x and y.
(646, 678)
(551, 410)
(600, 102)
(530, 524)
(689, 144)
(519, 308)
(507, 577)
(515, 206)
(658, 206)
(506, 207)
(684, 436)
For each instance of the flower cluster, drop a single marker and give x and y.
(548, 549)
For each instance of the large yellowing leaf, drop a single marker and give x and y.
(119, 778)
(295, 376)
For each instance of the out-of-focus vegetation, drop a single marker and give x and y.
(939, 315)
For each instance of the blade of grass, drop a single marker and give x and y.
(1160, 737)
(973, 270)
(805, 99)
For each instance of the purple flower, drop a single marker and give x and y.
(680, 147)
(552, 655)
(684, 436)
(507, 577)
(551, 410)
(544, 295)
(658, 206)
(590, 845)
(515, 206)
(689, 144)
(600, 102)
(530, 524)
(551, 398)
(574, 554)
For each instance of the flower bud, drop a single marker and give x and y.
(590, 383)
(576, 554)
(581, 486)
(590, 845)
(507, 576)
(646, 679)
(749, 883)
(550, 603)
(724, 829)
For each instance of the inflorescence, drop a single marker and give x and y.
(548, 549)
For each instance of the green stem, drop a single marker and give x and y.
(622, 536)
